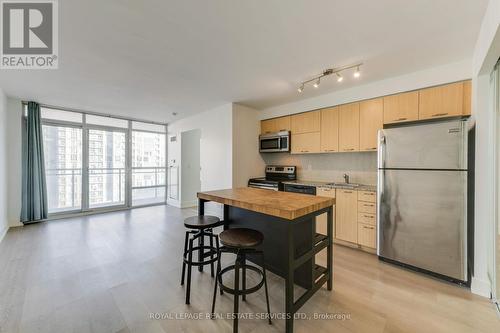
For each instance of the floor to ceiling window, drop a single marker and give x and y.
(95, 162)
(148, 163)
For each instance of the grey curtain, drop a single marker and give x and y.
(34, 192)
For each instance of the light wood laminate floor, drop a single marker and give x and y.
(110, 272)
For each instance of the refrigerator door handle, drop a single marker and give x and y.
(380, 193)
(381, 149)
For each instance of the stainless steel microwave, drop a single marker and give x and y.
(274, 142)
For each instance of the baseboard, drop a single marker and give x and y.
(189, 204)
(3, 233)
(480, 287)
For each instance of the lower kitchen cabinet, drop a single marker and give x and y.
(367, 235)
(346, 222)
(321, 221)
(367, 219)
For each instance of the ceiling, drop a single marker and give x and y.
(148, 59)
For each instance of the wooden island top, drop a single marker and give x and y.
(285, 205)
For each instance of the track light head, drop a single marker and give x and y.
(316, 84)
(339, 77)
(357, 73)
(301, 88)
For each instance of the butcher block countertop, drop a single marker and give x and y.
(285, 205)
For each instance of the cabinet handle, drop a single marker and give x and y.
(349, 149)
(401, 119)
(368, 205)
(368, 216)
(347, 191)
(282, 130)
(371, 228)
(439, 114)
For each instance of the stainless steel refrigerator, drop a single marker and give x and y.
(422, 197)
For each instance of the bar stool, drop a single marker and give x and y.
(242, 242)
(200, 227)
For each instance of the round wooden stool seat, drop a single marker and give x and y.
(202, 222)
(241, 238)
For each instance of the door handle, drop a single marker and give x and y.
(401, 119)
(439, 114)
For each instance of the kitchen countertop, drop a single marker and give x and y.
(361, 187)
(285, 205)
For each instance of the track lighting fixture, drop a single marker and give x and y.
(357, 73)
(330, 71)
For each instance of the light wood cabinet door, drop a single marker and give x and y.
(349, 127)
(330, 130)
(442, 101)
(322, 220)
(467, 97)
(370, 196)
(346, 217)
(367, 235)
(401, 107)
(371, 119)
(306, 122)
(275, 125)
(305, 143)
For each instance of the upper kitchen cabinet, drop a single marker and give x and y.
(401, 107)
(275, 125)
(330, 130)
(371, 119)
(306, 122)
(442, 101)
(467, 97)
(305, 143)
(349, 127)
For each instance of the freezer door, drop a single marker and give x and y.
(422, 220)
(441, 145)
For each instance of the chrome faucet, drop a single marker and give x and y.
(346, 178)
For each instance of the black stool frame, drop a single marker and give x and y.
(240, 263)
(204, 251)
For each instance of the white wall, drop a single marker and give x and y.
(421, 79)
(14, 139)
(4, 217)
(486, 53)
(247, 161)
(216, 157)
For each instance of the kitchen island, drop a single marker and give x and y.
(287, 221)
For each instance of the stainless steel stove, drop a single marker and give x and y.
(275, 175)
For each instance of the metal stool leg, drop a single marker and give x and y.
(216, 281)
(201, 252)
(183, 254)
(244, 276)
(236, 293)
(190, 259)
(211, 256)
(265, 288)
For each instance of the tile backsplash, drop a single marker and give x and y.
(361, 167)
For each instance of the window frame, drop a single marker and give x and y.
(85, 207)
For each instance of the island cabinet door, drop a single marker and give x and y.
(346, 221)
(322, 220)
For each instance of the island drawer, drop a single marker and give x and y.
(367, 207)
(367, 196)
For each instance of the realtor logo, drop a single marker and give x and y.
(29, 34)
